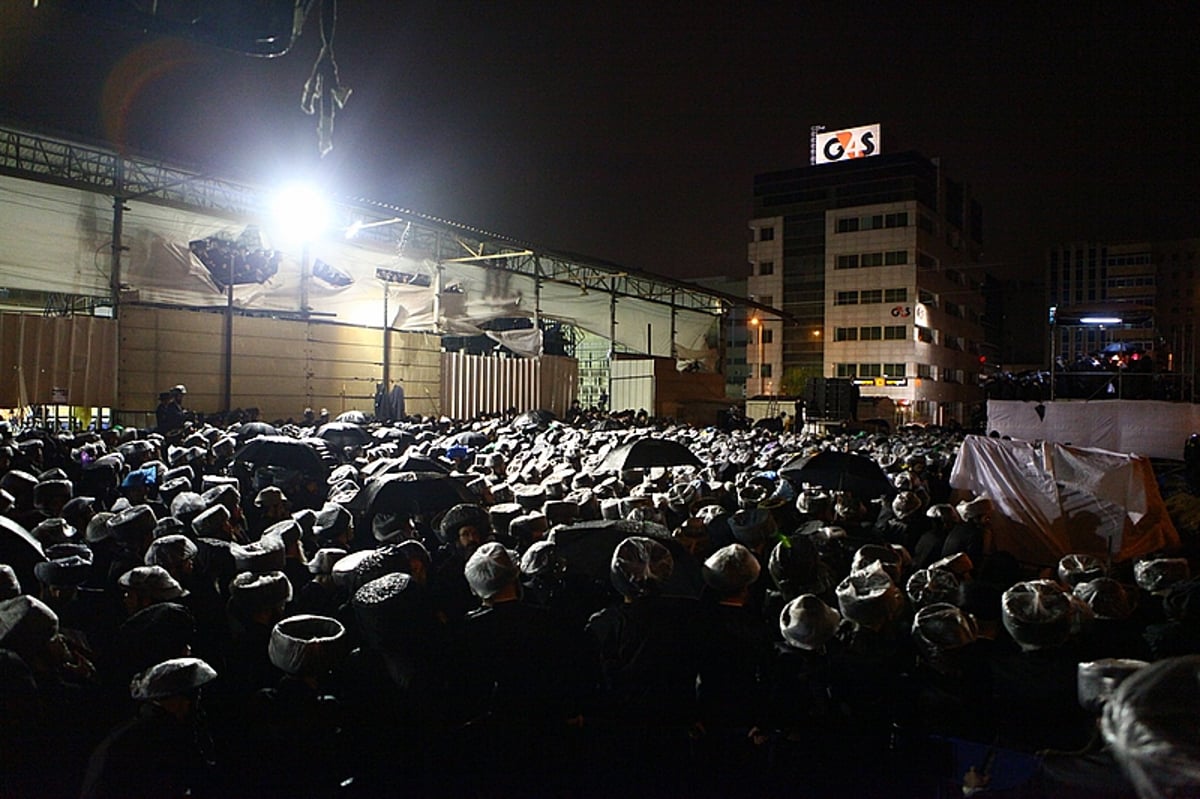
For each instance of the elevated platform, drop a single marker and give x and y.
(1142, 427)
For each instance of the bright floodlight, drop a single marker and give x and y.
(300, 213)
(1100, 320)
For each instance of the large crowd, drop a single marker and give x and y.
(522, 606)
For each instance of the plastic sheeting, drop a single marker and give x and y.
(1052, 500)
(1145, 427)
(58, 239)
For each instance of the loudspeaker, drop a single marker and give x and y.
(830, 398)
(814, 398)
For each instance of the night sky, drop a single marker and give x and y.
(632, 131)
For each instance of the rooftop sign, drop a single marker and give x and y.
(842, 145)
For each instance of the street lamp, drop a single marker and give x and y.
(756, 323)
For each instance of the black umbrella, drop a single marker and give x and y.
(533, 420)
(352, 417)
(648, 452)
(587, 548)
(22, 551)
(345, 438)
(250, 430)
(467, 438)
(290, 453)
(405, 463)
(839, 471)
(429, 493)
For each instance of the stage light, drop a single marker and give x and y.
(1100, 320)
(300, 214)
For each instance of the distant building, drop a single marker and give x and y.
(1150, 286)
(877, 261)
(734, 337)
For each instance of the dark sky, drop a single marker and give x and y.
(632, 131)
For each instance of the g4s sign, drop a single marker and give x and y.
(840, 145)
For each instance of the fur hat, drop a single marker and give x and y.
(175, 677)
(490, 569)
(322, 562)
(153, 582)
(252, 592)
(730, 569)
(307, 645)
(170, 551)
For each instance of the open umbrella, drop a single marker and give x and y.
(405, 463)
(587, 548)
(533, 420)
(429, 493)
(22, 551)
(344, 438)
(251, 430)
(467, 438)
(648, 452)
(839, 471)
(352, 417)
(290, 453)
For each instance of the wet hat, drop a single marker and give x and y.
(959, 564)
(1157, 575)
(940, 628)
(26, 621)
(332, 522)
(307, 645)
(541, 558)
(501, 515)
(1182, 602)
(322, 561)
(10, 586)
(187, 505)
(269, 497)
(1037, 614)
(170, 551)
(639, 565)
(49, 492)
(752, 527)
(175, 677)
(388, 559)
(69, 571)
(1078, 568)
(132, 525)
(267, 554)
(905, 504)
(345, 570)
(153, 582)
(929, 586)
(975, 509)
(224, 493)
(869, 598)
(1150, 725)
(808, 623)
(460, 516)
(169, 525)
(885, 556)
(53, 531)
(154, 634)
(288, 530)
(388, 610)
(730, 569)
(98, 529)
(946, 514)
(252, 592)
(490, 569)
(211, 523)
(1106, 598)
(1095, 681)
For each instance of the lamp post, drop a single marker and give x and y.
(757, 324)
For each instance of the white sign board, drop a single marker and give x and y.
(842, 145)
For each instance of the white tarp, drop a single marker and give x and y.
(1145, 427)
(58, 239)
(1052, 500)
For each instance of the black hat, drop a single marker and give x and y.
(132, 525)
(388, 610)
(639, 566)
(252, 592)
(68, 571)
(460, 516)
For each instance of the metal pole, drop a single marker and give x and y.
(387, 341)
(118, 231)
(1053, 360)
(305, 274)
(229, 342)
(760, 358)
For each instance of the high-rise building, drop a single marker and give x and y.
(876, 262)
(1149, 286)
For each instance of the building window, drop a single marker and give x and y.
(925, 370)
(927, 298)
(895, 370)
(896, 257)
(846, 298)
(767, 299)
(895, 295)
(766, 234)
(896, 220)
(768, 336)
(924, 335)
(872, 259)
(870, 370)
(926, 261)
(895, 333)
(845, 334)
(846, 262)
(871, 296)
(847, 224)
(847, 370)
(871, 333)
(765, 371)
(766, 268)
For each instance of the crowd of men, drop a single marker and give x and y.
(572, 624)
